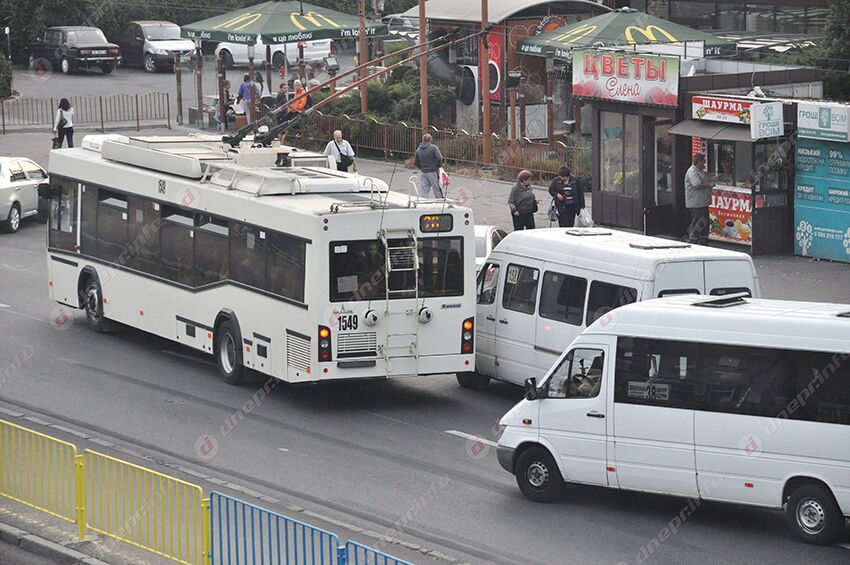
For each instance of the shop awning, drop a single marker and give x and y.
(712, 130)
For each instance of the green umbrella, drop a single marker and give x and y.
(281, 22)
(622, 27)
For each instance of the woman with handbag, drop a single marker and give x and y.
(567, 197)
(63, 124)
(522, 203)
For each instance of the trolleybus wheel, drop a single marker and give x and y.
(228, 354)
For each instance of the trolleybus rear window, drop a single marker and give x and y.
(357, 269)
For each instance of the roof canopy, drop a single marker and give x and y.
(497, 10)
(280, 22)
(622, 27)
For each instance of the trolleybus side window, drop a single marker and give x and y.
(441, 266)
(144, 235)
(176, 245)
(111, 225)
(520, 292)
(212, 256)
(248, 254)
(287, 265)
(655, 372)
(605, 297)
(562, 298)
(63, 215)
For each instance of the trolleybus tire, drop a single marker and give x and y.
(228, 353)
(92, 301)
(812, 514)
(537, 475)
(473, 380)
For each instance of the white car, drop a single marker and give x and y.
(486, 239)
(282, 53)
(19, 182)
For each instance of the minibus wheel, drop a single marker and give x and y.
(228, 354)
(473, 380)
(538, 476)
(813, 515)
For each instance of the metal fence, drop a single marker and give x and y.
(245, 534)
(457, 147)
(359, 554)
(152, 108)
(144, 508)
(39, 471)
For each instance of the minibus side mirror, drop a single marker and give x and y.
(531, 388)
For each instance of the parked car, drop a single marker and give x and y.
(401, 25)
(486, 239)
(282, 53)
(19, 182)
(71, 48)
(152, 44)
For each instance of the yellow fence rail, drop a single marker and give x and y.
(39, 471)
(144, 508)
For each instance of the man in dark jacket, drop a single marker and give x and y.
(428, 160)
(569, 198)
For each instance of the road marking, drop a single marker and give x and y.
(282, 449)
(4, 305)
(471, 437)
(844, 545)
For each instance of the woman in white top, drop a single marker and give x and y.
(265, 95)
(63, 125)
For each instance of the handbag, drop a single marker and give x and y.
(554, 214)
(62, 121)
(344, 160)
(584, 219)
(55, 142)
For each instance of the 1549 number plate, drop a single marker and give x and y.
(347, 322)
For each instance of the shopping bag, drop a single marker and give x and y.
(584, 219)
(553, 212)
(445, 181)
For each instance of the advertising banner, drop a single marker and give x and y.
(766, 120)
(716, 109)
(731, 216)
(627, 77)
(823, 121)
(822, 200)
(496, 49)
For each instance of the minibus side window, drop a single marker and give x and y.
(562, 298)
(655, 372)
(520, 292)
(579, 375)
(605, 297)
(488, 284)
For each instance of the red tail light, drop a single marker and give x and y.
(325, 344)
(467, 336)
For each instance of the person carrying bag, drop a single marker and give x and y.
(63, 124)
(567, 198)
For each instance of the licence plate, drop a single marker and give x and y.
(99, 52)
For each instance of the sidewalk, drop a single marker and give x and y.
(781, 276)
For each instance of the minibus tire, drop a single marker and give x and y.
(808, 505)
(93, 304)
(231, 370)
(472, 380)
(534, 462)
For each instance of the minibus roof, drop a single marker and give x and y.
(610, 251)
(738, 320)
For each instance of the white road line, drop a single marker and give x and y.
(4, 305)
(282, 449)
(471, 437)
(844, 545)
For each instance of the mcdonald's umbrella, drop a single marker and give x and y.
(281, 22)
(623, 27)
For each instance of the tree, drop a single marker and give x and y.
(836, 46)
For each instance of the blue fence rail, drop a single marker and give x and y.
(359, 554)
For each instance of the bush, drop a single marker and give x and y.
(5, 77)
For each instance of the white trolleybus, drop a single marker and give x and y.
(302, 272)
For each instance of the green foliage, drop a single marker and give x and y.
(5, 77)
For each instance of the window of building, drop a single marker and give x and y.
(212, 258)
(520, 289)
(176, 244)
(605, 297)
(620, 153)
(287, 265)
(248, 254)
(562, 298)
(744, 165)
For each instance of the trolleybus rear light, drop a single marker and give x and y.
(325, 344)
(467, 336)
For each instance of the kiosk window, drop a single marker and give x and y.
(562, 298)
(520, 289)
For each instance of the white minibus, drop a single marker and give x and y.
(540, 288)
(302, 273)
(720, 398)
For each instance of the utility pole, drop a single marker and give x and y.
(364, 91)
(423, 70)
(484, 74)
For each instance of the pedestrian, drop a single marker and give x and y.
(569, 198)
(698, 185)
(243, 96)
(428, 160)
(261, 87)
(341, 151)
(282, 94)
(522, 203)
(296, 106)
(63, 124)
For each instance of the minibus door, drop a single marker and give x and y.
(485, 317)
(515, 324)
(573, 414)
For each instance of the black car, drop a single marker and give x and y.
(76, 47)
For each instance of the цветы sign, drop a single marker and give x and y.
(627, 77)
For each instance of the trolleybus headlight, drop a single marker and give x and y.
(325, 344)
(467, 335)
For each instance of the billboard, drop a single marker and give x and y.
(731, 216)
(626, 77)
(716, 109)
(823, 121)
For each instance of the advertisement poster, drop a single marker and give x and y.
(716, 109)
(822, 200)
(496, 48)
(627, 77)
(766, 120)
(823, 121)
(731, 216)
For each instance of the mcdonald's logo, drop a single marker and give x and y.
(240, 22)
(649, 33)
(573, 35)
(313, 18)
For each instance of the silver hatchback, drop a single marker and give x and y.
(19, 182)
